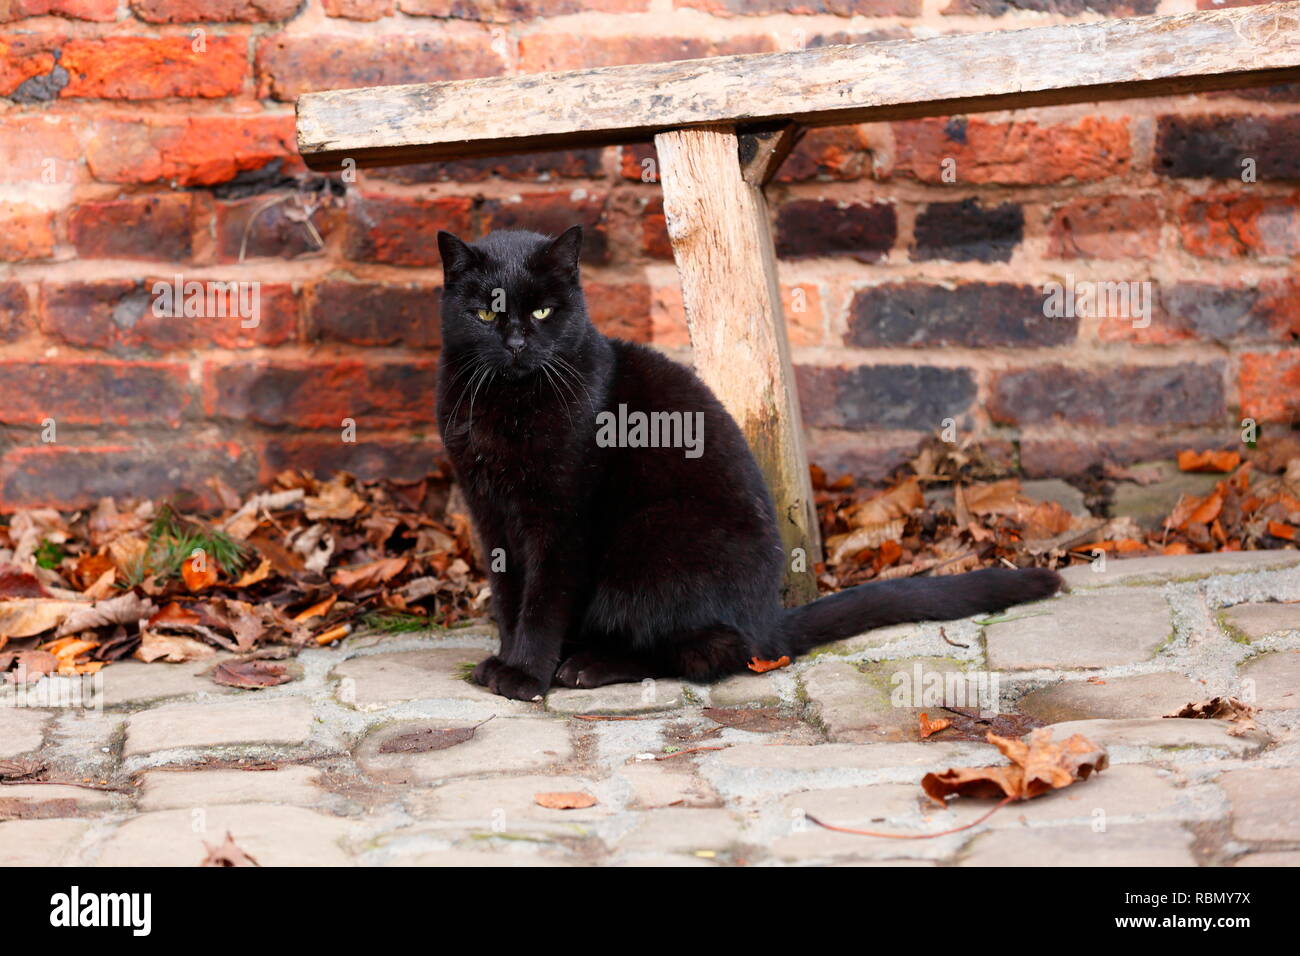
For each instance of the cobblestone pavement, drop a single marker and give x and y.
(299, 774)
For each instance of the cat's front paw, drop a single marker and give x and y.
(500, 678)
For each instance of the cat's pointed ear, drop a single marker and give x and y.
(456, 254)
(563, 251)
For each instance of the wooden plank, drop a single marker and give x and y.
(723, 246)
(1010, 69)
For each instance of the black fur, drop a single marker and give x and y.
(622, 563)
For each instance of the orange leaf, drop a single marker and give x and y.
(199, 572)
(1208, 460)
(929, 726)
(1279, 530)
(316, 610)
(762, 667)
(174, 613)
(564, 800)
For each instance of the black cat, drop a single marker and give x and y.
(610, 562)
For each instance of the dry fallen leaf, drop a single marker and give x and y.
(370, 574)
(173, 648)
(250, 673)
(1222, 461)
(762, 667)
(428, 738)
(1038, 766)
(27, 617)
(564, 800)
(199, 572)
(128, 608)
(1240, 714)
(930, 727)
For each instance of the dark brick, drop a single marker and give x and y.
(1068, 8)
(368, 460)
(1184, 394)
(1194, 147)
(93, 393)
(215, 11)
(834, 153)
(1268, 312)
(320, 394)
(968, 232)
(883, 396)
(374, 313)
(15, 311)
(153, 228)
(403, 232)
(529, 167)
(118, 315)
(552, 213)
(263, 229)
(976, 314)
(54, 476)
(808, 228)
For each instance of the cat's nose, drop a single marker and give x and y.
(515, 342)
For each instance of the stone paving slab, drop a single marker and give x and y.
(698, 775)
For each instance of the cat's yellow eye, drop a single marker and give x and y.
(486, 316)
(541, 313)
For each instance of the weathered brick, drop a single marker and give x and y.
(883, 396)
(144, 68)
(288, 65)
(76, 392)
(513, 11)
(15, 311)
(374, 313)
(843, 8)
(974, 314)
(143, 227)
(528, 167)
(968, 232)
(1105, 227)
(808, 228)
(26, 232)
(1183, 394)
(1016, 153)
(98, 10)
(1236, 226)
(403, 232)
(1069, 8)
(259, 228)
(1226, 314)
(390, 459)
(545, 52)
(654, 230)
(834, 153)
(320, 394)
(1194, 147)
(119, 315)
(39, 149)
(1269, 386)
(216, 11)
(553, 212)
(24, 57)
(358, 9)
(189, 151)
(621, 309)
(76, 477)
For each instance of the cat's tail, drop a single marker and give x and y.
(880, 603)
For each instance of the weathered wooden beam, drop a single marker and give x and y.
(1010, 69)
(722, 242)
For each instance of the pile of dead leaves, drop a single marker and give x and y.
(304, 562)
(954, 509)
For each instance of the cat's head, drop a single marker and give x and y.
(513, 298)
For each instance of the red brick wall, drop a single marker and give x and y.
(130, 153)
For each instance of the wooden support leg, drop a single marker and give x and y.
(717, 221)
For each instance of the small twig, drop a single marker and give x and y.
(910, 836)
(691, 750)
(603, 717)
(944, 635)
